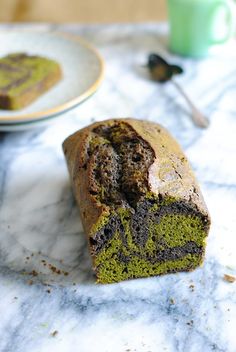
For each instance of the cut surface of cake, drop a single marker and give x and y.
(23, 78)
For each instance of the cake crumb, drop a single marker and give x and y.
(192, 287)
(54, 269)
(172, 301)
(48, 291)
(30, 282)
(54, 333)
(229, 278)
(190, 323)
(34, 273)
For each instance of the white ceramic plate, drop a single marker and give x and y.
(23, 126)
(81, 65)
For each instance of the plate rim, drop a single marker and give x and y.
(70, 103)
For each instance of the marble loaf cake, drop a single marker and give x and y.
(23, 78)
(140, 205)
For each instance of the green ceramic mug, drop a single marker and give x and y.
(196, 25)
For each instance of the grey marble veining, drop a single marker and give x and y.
(40, 226)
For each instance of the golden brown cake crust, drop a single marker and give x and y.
(170, 175)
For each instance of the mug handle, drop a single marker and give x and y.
(228, 11)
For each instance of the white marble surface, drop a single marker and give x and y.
(39, 219)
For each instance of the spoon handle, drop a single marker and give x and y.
(197, 117)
